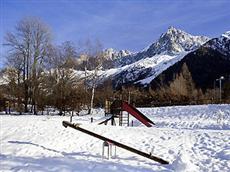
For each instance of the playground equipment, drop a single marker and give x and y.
(147, 155)
(117, 107)
(109, 147)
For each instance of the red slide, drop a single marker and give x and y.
(137, 114)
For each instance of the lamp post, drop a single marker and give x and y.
(220, 79)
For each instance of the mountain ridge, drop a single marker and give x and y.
(142, 67)
(207, 63)
(172, 42)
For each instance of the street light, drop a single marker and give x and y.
(220, 79)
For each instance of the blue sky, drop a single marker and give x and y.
(127, 24)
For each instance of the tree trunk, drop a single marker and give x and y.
(92, 99)
(26, 98)
(19, 101)
(35, 109)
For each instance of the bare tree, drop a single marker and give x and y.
(93, 62)
(61, 80)
(30, 41)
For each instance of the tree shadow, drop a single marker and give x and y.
(73, 161)
(55, 151)
(20, 163)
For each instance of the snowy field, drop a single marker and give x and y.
(191, 138)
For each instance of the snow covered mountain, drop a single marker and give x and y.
(226, 34)
(112, 54)
(173, 42)
(124, 67)
(221, 44)
(205, 64)
(143, 67)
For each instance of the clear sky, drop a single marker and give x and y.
(120, 24)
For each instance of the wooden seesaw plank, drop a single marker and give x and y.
(147, 155)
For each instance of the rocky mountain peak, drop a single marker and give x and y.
(175, 41)
(226, 35)
(172, 30)
(221, 44)
(112, 54)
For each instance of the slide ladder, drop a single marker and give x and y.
(124, 119)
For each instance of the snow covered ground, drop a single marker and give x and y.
(191, 138)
